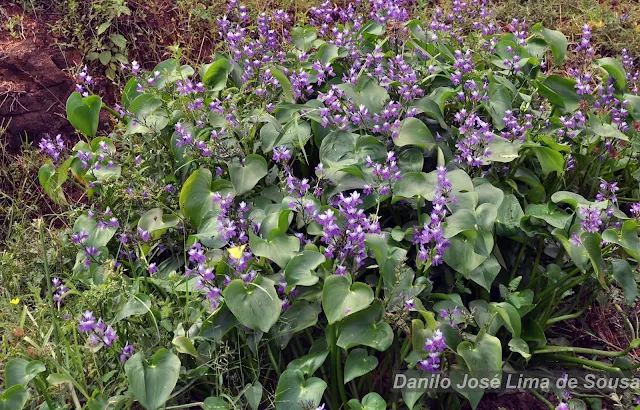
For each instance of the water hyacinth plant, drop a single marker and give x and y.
(380, 188)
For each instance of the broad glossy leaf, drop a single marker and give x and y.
(549, 213)
(359, 363)
(218, 325)
(294, 392)
(310, 363)
(431, 108)
(615, 70)
(556, 40)
(215, 403)
(256, 305)
(301, 315)
(152, 382)
(303, 37)
(285, 84)
(414, 132)
(366, 328)
(216, 74)
(253, 394)
(299, 270)
(84, 113)
(51, 179)
(245, 177)
(510, 315)
(486, 273)
(97, 237)
(560, 91)
(550, 160)
(625, 278)
(280, 249)
(519, 346)
(463, 254)
(499, 103)
(341, 298)
(503, 150)
(509, 215)
(485, 355)
(627, 238)
(156, 223)
(21, 371)
(372, 401)
(184, 345)
(196, 196)
(14, 398)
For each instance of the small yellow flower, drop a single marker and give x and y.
(15, 301)
(236, 252)
(596, 24)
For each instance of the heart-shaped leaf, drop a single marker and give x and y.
(300, 267)
(296, 393)
(215, 403)
(196, 196)
(253, 394)
(152, 382)
(366, 328)
(414, 132)
(244, 178)
(20, 371)
(359, 363)
(216, 74)
(484, 356)
(301, 315)
(84, 113)
(255, 305)
(184, 345)
(280, 249)
(156, 223)
(14, 398)
(310, 363)
(340, 299)
(624, 276)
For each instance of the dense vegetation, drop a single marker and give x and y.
(331, 201)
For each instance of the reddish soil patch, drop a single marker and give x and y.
(511, 401)
(33, 83)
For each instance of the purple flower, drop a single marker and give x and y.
(152, 268)
(430, 237)
(126, 352)
(434, 346)
(591, 221)
(52, 147)
(281, 154)
(562, 406)
(87, 322)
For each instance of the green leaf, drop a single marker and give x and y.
(560, 91)
(503, 150)
(624, 276)
(359, 363)
(118, 40)
(216, 74)
(196, 196)
(372, 401)
(97, 237)
(303, 37)
(340, 298)
(510, 315)
(484, 356)
(509, 215)
(592, 243)
(518, 345)
(464, 254)
(499, 103)
(366, 328)
(245, 177)
(21, 371)
(310, 363)
(549, 213)
(279, 249)
(285, 84)
(486, 273)
(550, 160)
(627, 238)
(156, 223)
(615, 70)
(301, 315)
(299, 270)
(152, 382)
(103, 27)
(414, 132)
(253, 394)
(84, 113)
(255, 305)
(136, 305)
(14, 398)
(215, 403)
(218, 325)
(432, 109)
(555, 39)
(185, 345)
(51, 179)
(296, 393)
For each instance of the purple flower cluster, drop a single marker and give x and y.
(571, 125)
(585, 42)
(206, 278)
(97, 330)
(478, 134)
(386, 174)
(84, 80)
(430, 238)
(186, 139)
(52, 147)
(60, 290)
(347, 241)
(232, 220)
(126, 352)
(591, 221)
(434, 346)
